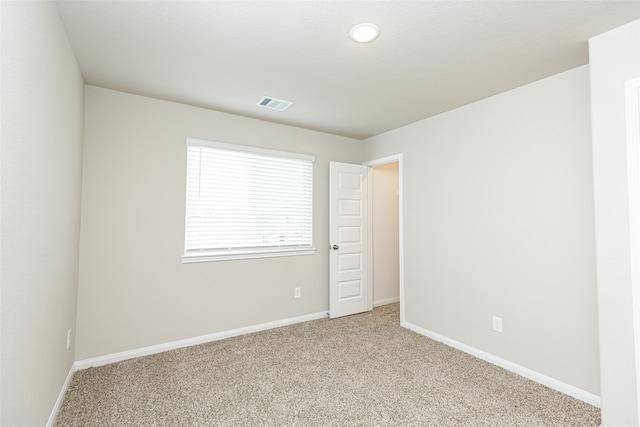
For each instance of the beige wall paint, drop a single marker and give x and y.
(615, 58)
(134, 291)
(498, 217)
(386, 273)
(42, 119)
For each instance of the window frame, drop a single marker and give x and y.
(245, 253)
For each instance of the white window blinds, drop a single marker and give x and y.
(244, 200)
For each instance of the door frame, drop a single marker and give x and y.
(632, 107)
(370, 164)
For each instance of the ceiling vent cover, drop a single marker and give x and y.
(273, 103)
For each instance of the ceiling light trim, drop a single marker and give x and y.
(364, 33)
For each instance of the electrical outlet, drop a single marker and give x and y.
(296, 292)
(68, 339)
(497, 323)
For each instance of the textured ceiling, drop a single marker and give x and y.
(431, 56)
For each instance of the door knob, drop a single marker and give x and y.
(335, 247)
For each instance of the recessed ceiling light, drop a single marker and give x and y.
(364, 33)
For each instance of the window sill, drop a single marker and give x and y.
(228, 256)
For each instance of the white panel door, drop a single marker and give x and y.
(348, 281)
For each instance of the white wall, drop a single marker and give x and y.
(615, 58)
(42, 119)
(134, 291)
(498, 220)
(386, 273)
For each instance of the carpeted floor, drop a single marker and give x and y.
(362, 370)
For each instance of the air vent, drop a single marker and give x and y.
(273, 103)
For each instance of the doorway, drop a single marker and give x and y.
(385, 231)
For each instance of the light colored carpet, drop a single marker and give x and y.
(362, 370)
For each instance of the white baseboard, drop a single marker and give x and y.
(380, 302)
(145, 351)
(63, 392)
(570, 390)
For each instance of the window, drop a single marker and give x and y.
(246, 202)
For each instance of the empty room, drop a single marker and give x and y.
(320, 213)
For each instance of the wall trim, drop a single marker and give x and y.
(567, 389)
(380, 302)
(160, 348)
(63, 392)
